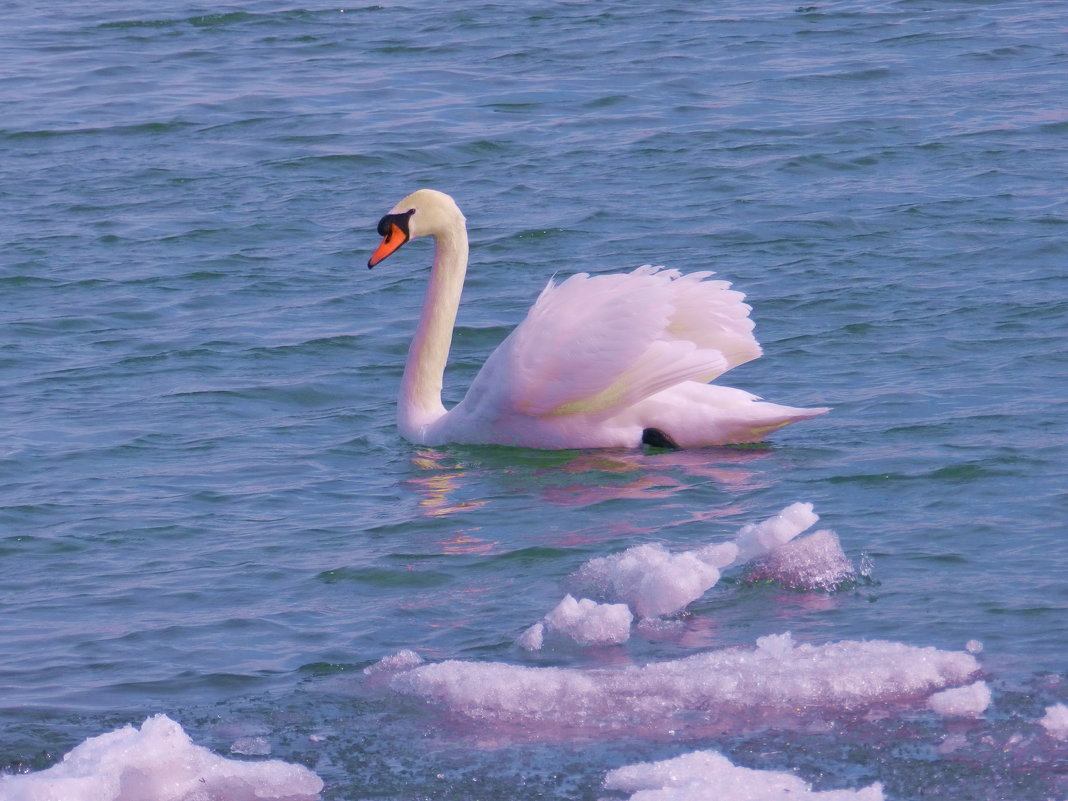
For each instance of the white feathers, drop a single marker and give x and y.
(598, 345)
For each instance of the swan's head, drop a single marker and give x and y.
(425, 212)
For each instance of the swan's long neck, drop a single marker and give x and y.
(420, 396)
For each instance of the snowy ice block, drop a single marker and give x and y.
(776, 677)
(648, 578)
(159, 762)
(1055, 721)
(583, 622)
(654, 581)
(757, 539)
(706, 775)
(812, 562)
(961, 702)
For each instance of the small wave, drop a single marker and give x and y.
(200, 21)
(384, 578)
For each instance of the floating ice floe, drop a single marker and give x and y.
(583, 622)
(648, 578)
(706, 775)
(1055, 721)
(723, 688)
(654, 582)
(757, 539)
(813, 562)
(961, 702)
(159, 763)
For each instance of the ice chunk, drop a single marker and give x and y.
(1055, 721)
(731, 686)
(648, 578)
(757, 539)
(718, 554)
(778, 645)
(705, 775)
(590, 623)
(807, 563)
(653, 581)
(159, 762)
(584, 622)
(961, 702)
(533, 638)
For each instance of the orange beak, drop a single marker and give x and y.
(394, 238)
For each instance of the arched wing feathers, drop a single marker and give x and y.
(598, 344)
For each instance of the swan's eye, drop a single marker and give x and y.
(386, 224)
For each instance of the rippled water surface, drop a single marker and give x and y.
(206, 509)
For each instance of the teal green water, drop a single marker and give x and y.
(206, 510)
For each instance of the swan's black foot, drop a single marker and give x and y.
(656, 438)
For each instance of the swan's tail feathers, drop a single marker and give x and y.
(778, 417)
(805, 414)
(764, 418)
(699, 415)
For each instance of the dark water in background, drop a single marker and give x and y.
(206, 510)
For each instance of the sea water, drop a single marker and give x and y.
(214, 546)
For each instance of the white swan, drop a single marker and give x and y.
(600, 361)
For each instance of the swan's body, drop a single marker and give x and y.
(599, 361)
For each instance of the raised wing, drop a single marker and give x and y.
(598, 344)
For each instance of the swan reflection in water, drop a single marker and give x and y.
(657, 475)
(436, 486)
(441, 478)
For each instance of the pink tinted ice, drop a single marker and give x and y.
(159, 762)
(654, 581)
(1055, 721)
(733, 685)
(706, 775)
(583, 622)
(813, 562)
(961, 702)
